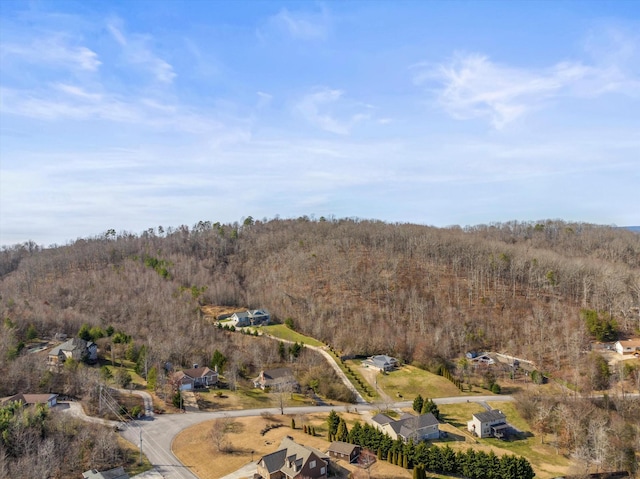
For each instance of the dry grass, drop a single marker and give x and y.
(213, 311)
(195, 449)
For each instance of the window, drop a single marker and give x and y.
(312, 464)
(322, 470)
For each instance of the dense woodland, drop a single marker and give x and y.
(425, 295)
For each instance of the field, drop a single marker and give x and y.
(194, 446)
(216, 400)
(280, 331)
(543, 457)
(409, 381)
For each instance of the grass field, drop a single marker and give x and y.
(282, 332)
(195, 449)
(410, 381)
(247, 399)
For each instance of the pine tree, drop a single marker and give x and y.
(418, 402)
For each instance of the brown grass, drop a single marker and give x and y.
(196, 450)
(212, 311)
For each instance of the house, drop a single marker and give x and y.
(49, 400)
(491, 423)
(75, 348)
(344, 450)
(408, 427)
(256, 317)
(117, 473)
(382, 362)
(628, 346)
(195, 378)
(293, 460)
(278, 379)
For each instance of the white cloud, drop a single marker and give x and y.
(136, 51)
(472, 86)
(299, 25)
(57, 50)
(322, 108)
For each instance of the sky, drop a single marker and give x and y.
(130, 115)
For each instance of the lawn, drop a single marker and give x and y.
(409, 381)
(543, 457)
(246, 399)
(280, 331)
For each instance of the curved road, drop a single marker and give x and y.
(158, 433)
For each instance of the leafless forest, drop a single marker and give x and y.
(420, 293)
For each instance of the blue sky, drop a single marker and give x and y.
(134, 114)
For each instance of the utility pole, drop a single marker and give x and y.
(140, 460)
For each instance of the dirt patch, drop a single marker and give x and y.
(195, 448)
(212, 311)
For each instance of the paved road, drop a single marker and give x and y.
(158, 433)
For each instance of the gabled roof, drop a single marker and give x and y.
(381, 419)
(490, 416)
(290, 458)
(341, 447)
(72, 344)
(411, 425)
(630, 343)
(198, 372)
(273, 462)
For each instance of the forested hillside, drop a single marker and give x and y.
(417, 292)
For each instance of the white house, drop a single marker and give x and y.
(491, 423)
(381, 362)
(256, 317)
(628, 346)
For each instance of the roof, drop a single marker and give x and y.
(72, 344)
(273, 462)
(409, 425)
(117, 473)
(630, 343)
(342, 447)
(198, 372)
(490, 416)
(381, 419)
(290, 451)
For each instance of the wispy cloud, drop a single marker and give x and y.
(137, 51)
(57, 50)
(300, 25)
(327, 109)
(473, 86)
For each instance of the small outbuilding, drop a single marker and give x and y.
(344, 450)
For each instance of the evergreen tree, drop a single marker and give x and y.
(418, 402)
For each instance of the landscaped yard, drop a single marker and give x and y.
(282, 332)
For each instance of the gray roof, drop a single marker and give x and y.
(381, 419)
(289, 451)
(342, 447)
(71, 345)
(273, 462)
(490, 416)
